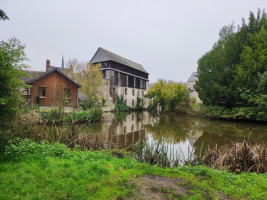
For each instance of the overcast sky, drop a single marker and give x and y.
(167, 37)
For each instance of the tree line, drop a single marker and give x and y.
(232, 77)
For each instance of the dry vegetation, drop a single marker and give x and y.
(238, 157)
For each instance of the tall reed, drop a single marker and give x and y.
(238, 157)
(156, 153)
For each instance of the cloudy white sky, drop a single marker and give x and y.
(166, 36)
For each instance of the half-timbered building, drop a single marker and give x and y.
(124, 77)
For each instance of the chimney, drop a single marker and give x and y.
(47, 65)
(71, 68)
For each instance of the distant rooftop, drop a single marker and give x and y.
(193, 77)
(103, 55)
(50, 72)
(36, 74)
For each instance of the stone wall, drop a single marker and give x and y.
(193, 92)
(112, 91)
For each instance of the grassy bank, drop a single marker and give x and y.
(31, 170)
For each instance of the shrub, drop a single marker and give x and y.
(121, 106)
(27, 149)
(96, 113)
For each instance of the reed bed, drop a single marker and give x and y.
(157, 153)
(238, 157)
(73, 136)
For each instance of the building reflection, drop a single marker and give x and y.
(122, 130)
(125, 130)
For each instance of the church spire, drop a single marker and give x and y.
(62, 64)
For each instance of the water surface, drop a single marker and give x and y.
(184, 133)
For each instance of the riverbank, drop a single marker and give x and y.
(31, 170)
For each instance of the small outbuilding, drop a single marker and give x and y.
(52, 88)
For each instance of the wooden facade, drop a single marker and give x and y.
(53, 89)
(123, 68)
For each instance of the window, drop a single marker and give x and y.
(124, 129)
(116, 78)
(143, 84)
(138, 93)
(132, 127)
(142, 93)
(132, 117)
(133, 93)
(132, 102)
(125, 101)
(137, 83)
(66, 93)
(113, 91)
(125, 91)
(123, 79)
(130, 81)
(104, 74)
(41, 91)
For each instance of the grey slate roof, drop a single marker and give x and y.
(59, 68)
(50, 72)
(34, 74)
(102, 55)
(193, 77)
(82, 97)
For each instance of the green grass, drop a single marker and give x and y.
(30, 170)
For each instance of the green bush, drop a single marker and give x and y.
(138, 104)
(121, 106)
(96, 113)
(55, 115)
(27, 149)
(85, 105)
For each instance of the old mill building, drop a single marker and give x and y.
(125, 79)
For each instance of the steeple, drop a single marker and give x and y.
(62, 64)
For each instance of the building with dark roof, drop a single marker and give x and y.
(51, 88)
(125, 78)
(191, 86)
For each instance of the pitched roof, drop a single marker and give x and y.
(50, 72)
(193, 77)
(102, 55)
(34, 74)
(59, 68)
(82, 97)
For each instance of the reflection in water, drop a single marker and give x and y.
(182, 132)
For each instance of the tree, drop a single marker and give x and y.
(169, 95)
(156, 92)
(3, 15)
(12, 56)
(89, 76)
(221, 71)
